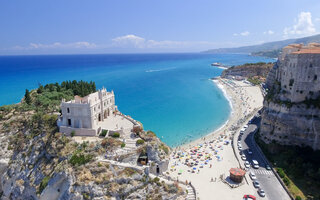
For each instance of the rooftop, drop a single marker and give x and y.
(311, 48)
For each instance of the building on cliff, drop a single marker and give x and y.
(291, 109)
(84, 115)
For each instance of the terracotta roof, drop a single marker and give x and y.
(308, 51)
(237, 172)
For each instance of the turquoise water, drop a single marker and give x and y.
(171, 94)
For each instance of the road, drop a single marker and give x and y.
(267, 179)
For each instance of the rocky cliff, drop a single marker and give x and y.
(249, 70)
(41, 163)
(291, 112)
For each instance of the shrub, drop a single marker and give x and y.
(164, 148)
(123, 145)
(281, 172)
(103, 133)
(286, 181)
(80, 159)
(73, 133)
(298, 198)
(156, 179)
(139, 142)
(116, 135)
(43, 184)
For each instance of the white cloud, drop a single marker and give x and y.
(269, 32)
(133, 41)
(245, 33)
(129, 40)
(303, 26)
(57, 45)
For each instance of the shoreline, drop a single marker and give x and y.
(205, 162)
(228, 123)
(241, 101)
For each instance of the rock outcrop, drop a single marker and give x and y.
(40, 163)
(248, 70)
(291, 112)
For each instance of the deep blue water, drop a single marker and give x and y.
(171, 94)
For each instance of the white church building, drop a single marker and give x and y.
(85, 115)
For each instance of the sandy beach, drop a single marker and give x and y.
(203, 161)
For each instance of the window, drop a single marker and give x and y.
(68, 110)
(69, 122)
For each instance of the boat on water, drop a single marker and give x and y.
(215, 64)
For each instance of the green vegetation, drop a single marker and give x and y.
(80, 159)
(258, 63)
(140, 142)
(254, 81)
(73, 133)
(164, 148)
(123, 145)
(27, 97)
(299, 167)
(103, 133)
(43, 184)
(48, 98)
(116, 135)
(86, 196)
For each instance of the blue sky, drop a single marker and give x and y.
(135, 26)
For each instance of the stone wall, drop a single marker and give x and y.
(78, 131)
(287, 117)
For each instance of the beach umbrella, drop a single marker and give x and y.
(194, 168)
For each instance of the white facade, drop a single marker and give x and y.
(83, 114)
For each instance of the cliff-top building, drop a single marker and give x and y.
(85, 115)
(291, 109)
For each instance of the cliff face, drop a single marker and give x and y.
(292, 106)
(42, 163)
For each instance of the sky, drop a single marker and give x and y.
(150, 26)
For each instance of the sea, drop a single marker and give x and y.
(171, 94)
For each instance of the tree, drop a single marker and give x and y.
(40, 89)
(27, 97)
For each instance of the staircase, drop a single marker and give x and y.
(191, 195)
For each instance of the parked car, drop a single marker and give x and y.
(261, 192)
(243, 157)
(268, 167)
(252, 176)
(247, 164)
(245, 126)
(255, 164)
(256, 184)
(240, 152)
(249, 197)
(240, 147)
